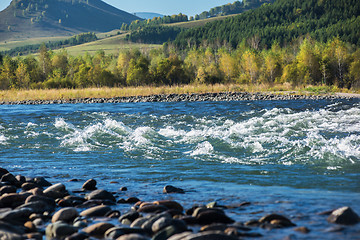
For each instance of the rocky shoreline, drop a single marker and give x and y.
(33, 208)
(194, 97)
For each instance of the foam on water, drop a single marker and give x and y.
(3, 139)
(268, 136)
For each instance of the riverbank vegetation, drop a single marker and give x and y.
(305, 62)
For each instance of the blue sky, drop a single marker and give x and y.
(166, 7)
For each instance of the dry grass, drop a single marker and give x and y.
(53, 94)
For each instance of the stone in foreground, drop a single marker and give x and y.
(345, 216)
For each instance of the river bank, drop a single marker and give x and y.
(192, 97)
(32, 207)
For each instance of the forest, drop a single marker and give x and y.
(282, 22)
(304, 62)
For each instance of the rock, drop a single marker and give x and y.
(115, 232)
(65, 215)
(17, 216)
(3, 171)
(277, 220)
(12, 200)
(214, 205)
(138, 222)
(59, 187)
(56, 191)
(304, 230)
(234, 231)
(9, 227)
(170, 204)
(211, 216)
(113, 214)
(123, 189)
(30, 226)
(101, 195)
(133, 236)
(28, 186)
(8, 177)
(34, 236)
(59, 230)
(199, 210)
(42, 182)
(214, 227)
(90, 185)
(98, 211)
(78, 236)
(345, 216)
(132, 200)
(172, 189)
(37, 207)
(161, 223)
(148, 224)
(21, 179)
(9, 236)
(98, 230)
(132, 216)
(36, 198)
(7, 189)
(173, 227)
(36, 191)
(152, 208)
(180, 236)
(210, 235)
(74, 200)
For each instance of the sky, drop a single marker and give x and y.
(166, 7)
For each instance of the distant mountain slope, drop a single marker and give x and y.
(282, 22)
(147, 15)
(38, 18)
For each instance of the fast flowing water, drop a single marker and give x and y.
(292, 157)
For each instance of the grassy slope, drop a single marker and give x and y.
(111, 45)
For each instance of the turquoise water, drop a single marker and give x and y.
(293, 157)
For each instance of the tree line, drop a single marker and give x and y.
(306, 61)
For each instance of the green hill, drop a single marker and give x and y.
(39, 18)
(282, 22)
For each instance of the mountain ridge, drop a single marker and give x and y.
(37, 18)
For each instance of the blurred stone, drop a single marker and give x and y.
(172, 189)
(101, 195)
(98, 211)
(90, 184)
(345, 216)
(65, 214)
(98, 230)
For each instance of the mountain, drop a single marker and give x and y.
(44, 18)
(147, 15)
(282, 22)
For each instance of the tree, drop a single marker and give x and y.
(44, 61)
(308, 62)
(250, 65)
(60, 62)
(354, 70)
(138, 70)
(7, 74)
(227, 65)
(22, 76)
